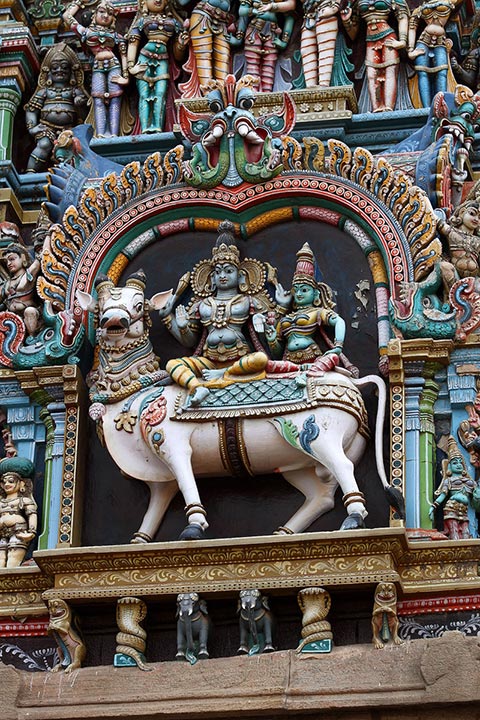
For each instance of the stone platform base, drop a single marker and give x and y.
(427, 679)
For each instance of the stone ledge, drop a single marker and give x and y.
(438, 675)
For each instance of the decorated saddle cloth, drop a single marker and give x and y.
(277, 396)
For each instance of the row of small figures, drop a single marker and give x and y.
(256, 626)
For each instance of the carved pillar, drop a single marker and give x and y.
(427, 443)
(413, 389)
(10, 98)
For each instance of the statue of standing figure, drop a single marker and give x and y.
(430, 52)
(109, 72)
(456, 493)
(259, 30)
(319, 35)
(18, 510)
(209, 40)
(462, 232)
(161, 25)
(382, 59)
(58, 103)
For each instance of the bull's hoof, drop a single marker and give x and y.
(268, 649)
(203, 655)
(242, 650)
(353, 522)
(180, 656)
(192, 532)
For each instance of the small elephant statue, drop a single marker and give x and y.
(256, 623)
(193, 627)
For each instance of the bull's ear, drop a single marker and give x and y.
(86, 301)
(159, 300)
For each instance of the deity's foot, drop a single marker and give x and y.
(353, 522)
(212, 374)
(199, 394)
(193, 531)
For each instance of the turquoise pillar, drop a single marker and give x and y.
(413, 390)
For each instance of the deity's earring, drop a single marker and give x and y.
(316, 300)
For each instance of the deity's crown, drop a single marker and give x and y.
(225, 250)
(453, 450)
(307, 270)
(22, 466)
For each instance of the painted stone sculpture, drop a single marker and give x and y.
(261, 33)
(227, 293)
(58, 104)
(462, 232)
(17, 293)
(430, 52)
(64, 629)
(315, 604)
(319, 35)
(313, 306)
(417, 311)
(256, 623)
(18, 510)
(456, 493)
(109, 72)
(208, 30)
(469, 430)
(384, 617)
(193, 628)
(382, 58)
(131, 638)
(162, 27)
(230, 144)
(316, 425)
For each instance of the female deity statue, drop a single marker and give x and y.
(158, 21)
(17, 292)
(319, 35)
(209, 40)
(430, 51)
(259, 30)
(109, 73)
(456, 493)
(382, 46)
(227, 293)
(58, 103)
(293, 337)
(18, 510)
(463, 235)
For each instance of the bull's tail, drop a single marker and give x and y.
(394, 495)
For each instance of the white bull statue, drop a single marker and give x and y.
(314, 442)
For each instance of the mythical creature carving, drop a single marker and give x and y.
(131, 638)
(230, 144)
(256, 623)
(469, 430)
(319, 428)
(70, 646)
(193, 628)
(384, 617)
(315, 604)
(445, 143)
(417, 311)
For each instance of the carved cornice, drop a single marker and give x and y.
(315, 559)
(21, 592)
(312, 104)
(404, 352)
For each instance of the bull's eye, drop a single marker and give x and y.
(215, 106)
(246, 103)
(139, 307)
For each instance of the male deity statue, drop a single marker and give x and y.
(227, 293)
(18, 510)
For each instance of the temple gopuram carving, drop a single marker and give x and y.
(239, 359)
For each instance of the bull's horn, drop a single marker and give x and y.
(102, 283)
(137, 279)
